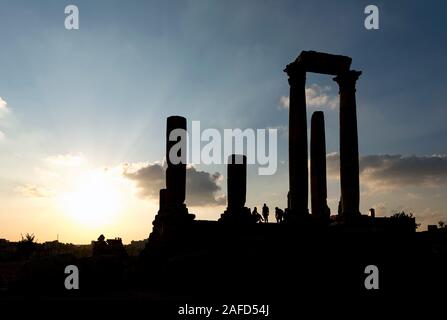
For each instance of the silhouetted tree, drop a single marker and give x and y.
(406, 218)
(28, 237)
(27, 245)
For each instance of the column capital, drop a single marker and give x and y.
(348, 79)
(296, 73)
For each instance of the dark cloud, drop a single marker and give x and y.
(201, 187)
(397, 170)
(150, 179)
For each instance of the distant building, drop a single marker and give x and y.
(108, 247)
(432, 228)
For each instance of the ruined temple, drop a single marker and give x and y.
(338, 66)
(174, 224)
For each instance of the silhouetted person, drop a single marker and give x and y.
(255, 211)
(256, 215)
(279, 215)
(100, 246)
(265, 213)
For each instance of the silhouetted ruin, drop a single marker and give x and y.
(236, 191)
(311, 61)
(172, 209)
(316, 254)
(349, 148)
(174, 224)
(318, 183)
(173, 218)
(318, 238)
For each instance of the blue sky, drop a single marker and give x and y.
(104, 91)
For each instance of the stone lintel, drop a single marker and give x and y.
(320, 62)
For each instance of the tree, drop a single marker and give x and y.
(28, 237)
(406, 218)
(402, 215)
(27, 245)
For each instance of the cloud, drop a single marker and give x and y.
(316, 96)
(150, 179)
(33, 191)
(284, 102)
(333, 165)
(283, 130)
(202, 188)
(381, 209)
(395, 171)
(431, 216)
(4, 110)
(68, 160)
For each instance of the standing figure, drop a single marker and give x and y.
(277, 215)
(265, 213)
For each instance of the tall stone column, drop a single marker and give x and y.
(236, 181)
(236, 212)
(298, 172)
(176, 160)
(172, 220)
(349, 149)
(318, 184)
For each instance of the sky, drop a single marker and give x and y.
(83, 112)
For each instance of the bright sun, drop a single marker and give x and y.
(95, 201)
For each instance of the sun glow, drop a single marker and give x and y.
(96, 199)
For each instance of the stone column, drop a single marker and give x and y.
(298, 174)
(236, 181)
(349, 149)
(318, 184)
(173, 219)
(176, 171)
